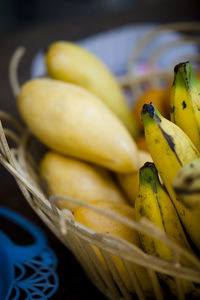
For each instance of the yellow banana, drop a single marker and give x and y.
(69, 62)
(187, 185)
(153, 203)
(171, 149)
(185, 102)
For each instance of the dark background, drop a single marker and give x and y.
(15, 13)
(35, 24)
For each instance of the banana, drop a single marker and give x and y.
(153, 203)
(69, 62)
(187, 185)
(171, 149)
(185, 102)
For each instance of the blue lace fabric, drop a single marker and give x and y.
(35, 278)
(26, 272)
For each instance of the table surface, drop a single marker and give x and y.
(73, 282)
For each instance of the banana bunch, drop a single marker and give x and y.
(174, 147)
(171, 149)
(153, 203)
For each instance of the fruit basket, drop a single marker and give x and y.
(20, 155)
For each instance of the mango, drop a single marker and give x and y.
(72, 63)
(72, 121)
(106, 225)
(65, 176)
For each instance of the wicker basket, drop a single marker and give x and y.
(20, 153)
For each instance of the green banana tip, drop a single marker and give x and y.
(150, 112)
(148, 108)
(184, 75)
(148, 173)
(184, 66)
(148, 165)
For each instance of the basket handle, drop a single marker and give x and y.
(21, 253)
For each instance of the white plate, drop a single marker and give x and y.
(114, 48)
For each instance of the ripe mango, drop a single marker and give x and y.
(106, 225)
(73, 178)
(72, 121)
(72, 63)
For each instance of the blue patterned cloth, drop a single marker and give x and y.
(26, 272)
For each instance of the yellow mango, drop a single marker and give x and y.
(73, 178)
(72, 63)
(106, 225)
(72, 121)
